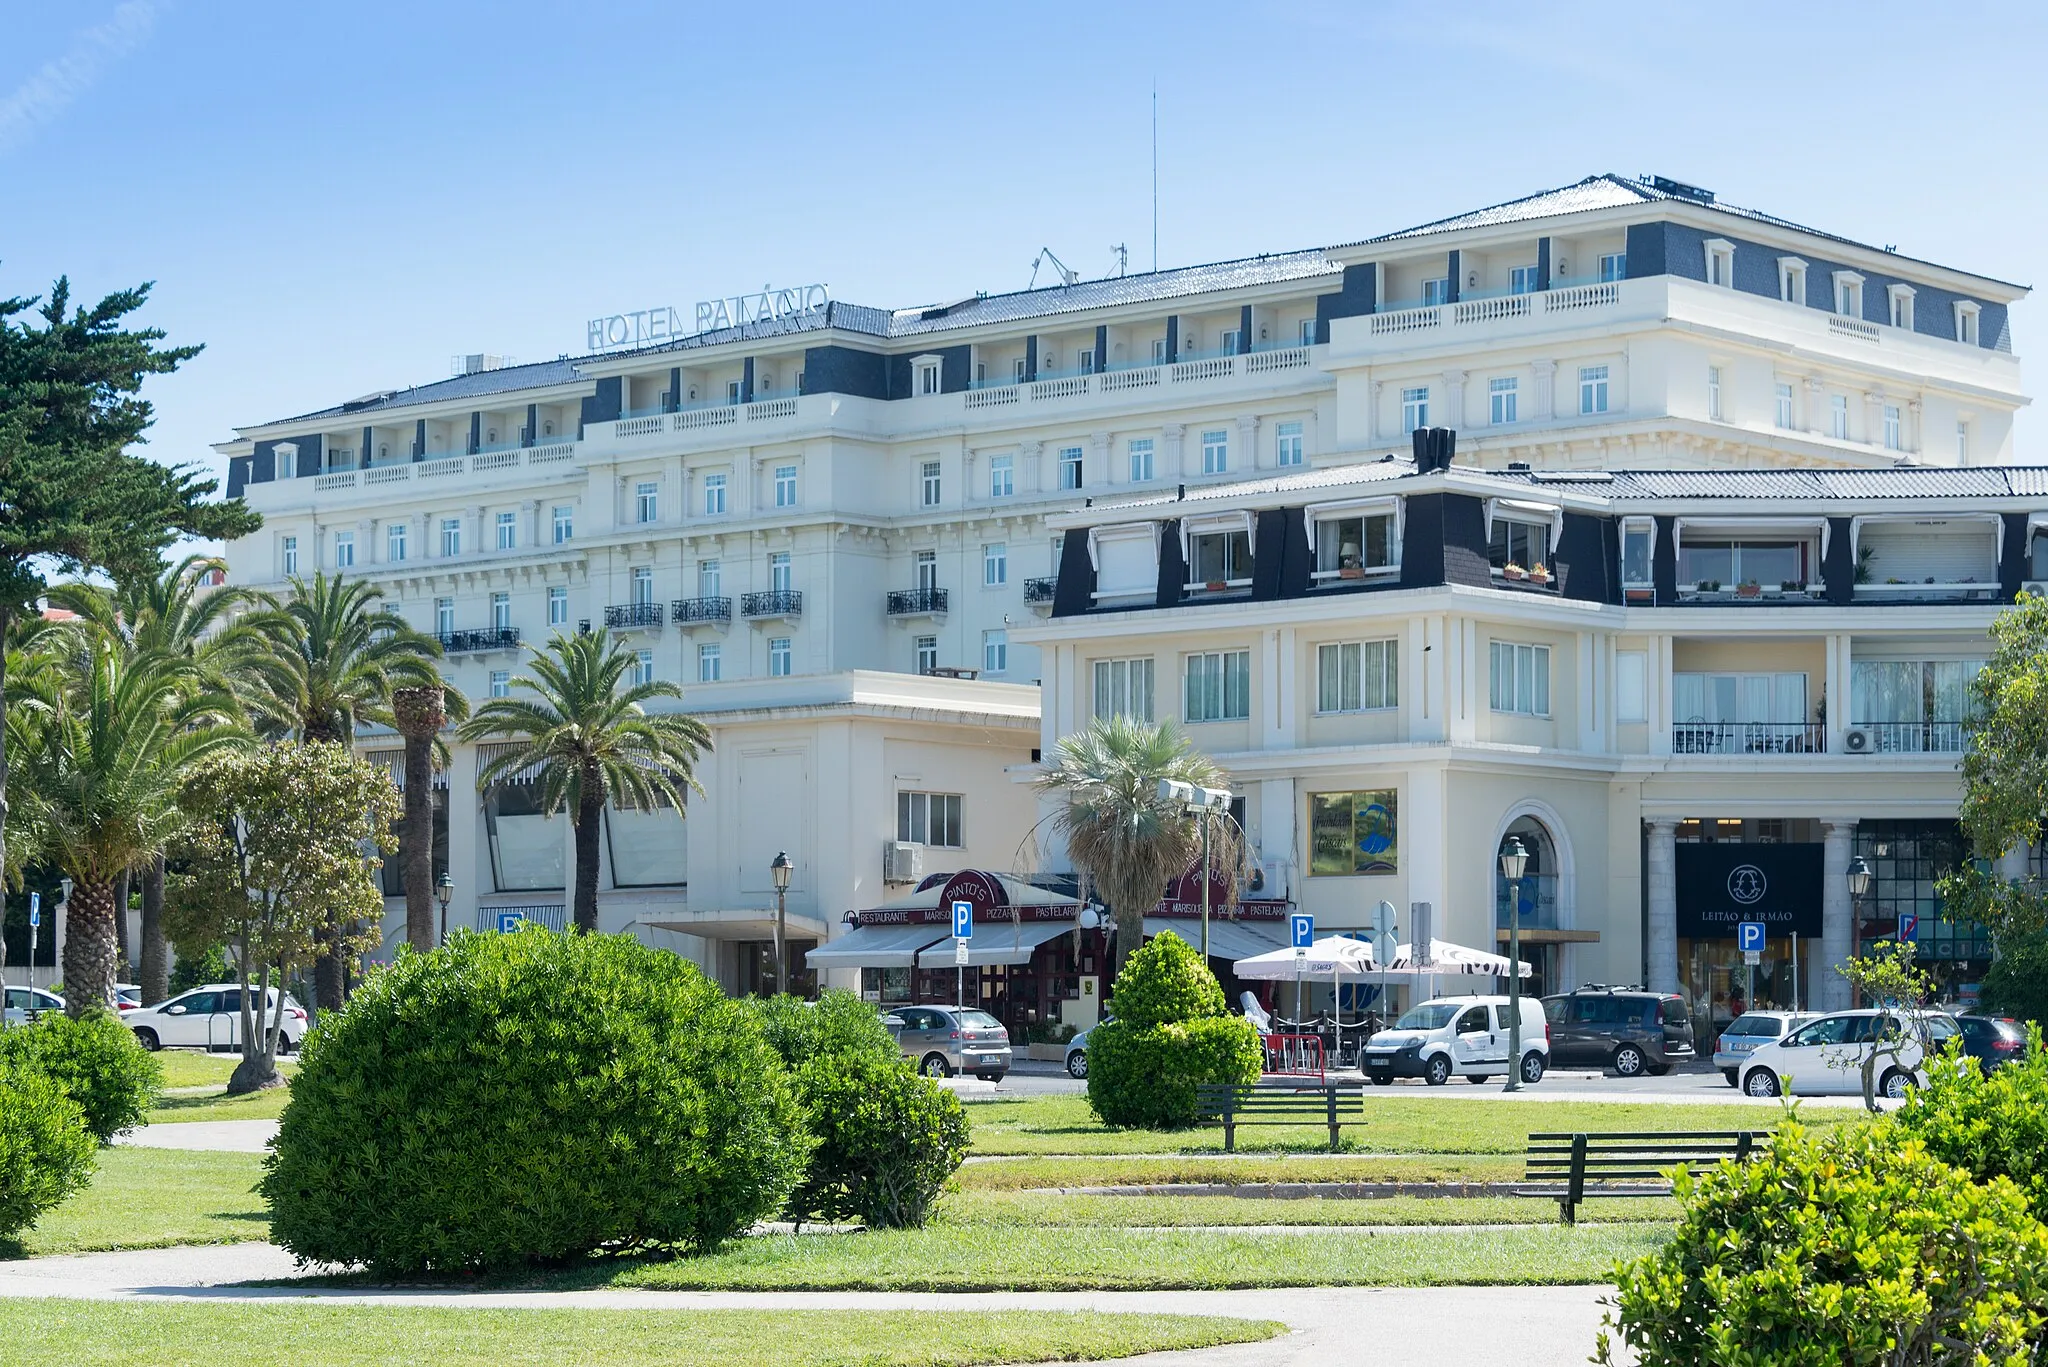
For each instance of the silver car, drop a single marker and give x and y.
(944, 1040)
(1749, 1031)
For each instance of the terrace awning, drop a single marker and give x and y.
(876, 947)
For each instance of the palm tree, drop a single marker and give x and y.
(1129, 840)
(420, 713)
(592, 742)
(177, 614)
(99, 787)
(337, 655)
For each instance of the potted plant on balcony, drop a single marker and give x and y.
(1749, 588)
(1640, 593)
(1539, 573)
(1708, 586)
(1513, 571)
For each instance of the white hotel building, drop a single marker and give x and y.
(893, 555)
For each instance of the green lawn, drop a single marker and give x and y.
(1018, 1174)
(216, 1104)
(1050, 1210)
(153, 1198)
(103, 1334)
(196, 1068)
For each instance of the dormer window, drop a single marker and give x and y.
(1720, 262)
(1901, 306)
(1360, 539)
(1848, 294)
(1791, 280)
(1638, 552)
(925, 375)
(1966, 321)
(1219, 552)
(1519, 535)
(285, 458)
(1126, 560)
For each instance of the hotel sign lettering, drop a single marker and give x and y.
(649, 326)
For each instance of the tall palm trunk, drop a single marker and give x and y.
(420, 713)
(156, 959)
(124, 961)
(89, 949)
(330, 974)
(589, 822)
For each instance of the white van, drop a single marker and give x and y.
(1458, 1036)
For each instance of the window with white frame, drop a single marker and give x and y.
(1966, 321)
(1017, 370)
(508, 531)
(1287, 444)
(785, 486)
(565, 525)
(1358, 676)
(1638, 552)
(1503, 399)
(927, 377)
(501, 683)
(1519, 538)
(1613, 266)
(1123, 688)
(1783, 558)
(928, 484)
(1414, 408)
(1084, 361)
(1218, 686)
(1962, 441)
(344, 550)
(1848, 294)
(1522, 280)
(1070, 467)
(1215, 451)
(732, 392)
(643, 667)
(1126, 560)
(1435, 292)
(1520, 679)
(444, 616)
(926, 650)
(1227, 341)
(781, 575)
(930, 819)
(394, 542)
(1892, 427)
(558, 607)
(1791, 280)
(1355, 540)
(1901, 300)
(780, 657)
(288, 552)
(1141, 459)
(451, 536)
(1592, 389)
(643, 584)
(1784, 406)
(1720, 262)
(925, 566)
(1219, 554)
(501, 612)
(714, 495)
(1159, 356)
(1002, 476)
(1838, 417)
(995, 564)
(646, 505)
(995, 652)
(1308, 332)
(1714, 393)
(710, 573)
(710, 663)
(284, 461)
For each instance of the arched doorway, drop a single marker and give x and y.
(1544, 894)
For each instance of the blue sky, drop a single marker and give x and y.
(336, 198)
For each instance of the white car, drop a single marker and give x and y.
(1825, 1057)
(21, 1001)
(210, 1017)
(1749, 1032)
(1458, 1037)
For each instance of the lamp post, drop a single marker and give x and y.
(780, 871)
(1859, 887)
(444, 892)
(1514, 862)
(1206, 801)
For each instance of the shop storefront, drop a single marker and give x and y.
(1720, 886)
(1906, 859)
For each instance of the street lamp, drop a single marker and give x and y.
(444, 891)
(780, 871)
(1514, 862)
(1859, 888)
(1190, 797)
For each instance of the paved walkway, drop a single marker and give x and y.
(1358, 1327)
(225, 1136)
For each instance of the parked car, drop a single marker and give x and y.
(1457, 1036)
(1624, 1028)
(1993, 1041)
(1077, 1055)
(1746, 1032)
(127, 997)
(210, 1017)
(1826, 1056)
(945, 1040)
(22, 1003)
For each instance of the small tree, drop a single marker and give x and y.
(277, 853)
(2005, 776)
(1888, 980)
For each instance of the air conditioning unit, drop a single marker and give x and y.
(1859, 740)
(902, 862)
(2039, 586)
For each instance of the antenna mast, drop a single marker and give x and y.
(1155, 173)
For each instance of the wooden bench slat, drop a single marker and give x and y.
(1572, 1168)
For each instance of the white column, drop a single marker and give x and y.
(1836, 654)
(1372, 414)
(531, 507)
(1661, 871)
(1276, 808)
(478, 517)
(465, 836)
(1660, 695)
(1830, 990)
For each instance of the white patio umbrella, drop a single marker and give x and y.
(1335, 957)
(1449, 960)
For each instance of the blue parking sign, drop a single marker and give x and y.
(963, 920)
(508, 921)
(1301, 929)
(1749, 937)
(35, 908)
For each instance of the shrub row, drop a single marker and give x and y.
(66, 1087)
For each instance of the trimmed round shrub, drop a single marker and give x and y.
(888, 1140)
(1862, 1248)
(46, 1152)
(520, 1099)
(1170, 1035)
(1989, 1126)
(96, 1061)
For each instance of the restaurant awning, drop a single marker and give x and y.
(875, 947)
(997, 943)
(1227, 939)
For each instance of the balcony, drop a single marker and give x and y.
(1749, 738)
(757, 607)
(469, 642)
(702, 611)
(1041, 592)
(1709, 593)
(927, 602)
(633, 616)
(1187, 370)
(1908, 737)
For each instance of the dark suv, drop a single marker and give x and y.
(1624, 1028)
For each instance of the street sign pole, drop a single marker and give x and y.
(35, 921)
(1301, 929)
(963, 931)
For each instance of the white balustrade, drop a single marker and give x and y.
(494, 460)
(1213, 368)
(637, 427)
(1286, 358)
(1406, 320)
(1487, 310)
(771, 408)
(1852, 327)
(388, 474)
(1130, 379)
(1582, 296)
(692, 419)
(340, 479)
(992, 398)
(441, 469)
(552, 452)
(1064, 388)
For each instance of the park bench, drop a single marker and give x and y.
(1574, 1168)
(1322, 1103)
